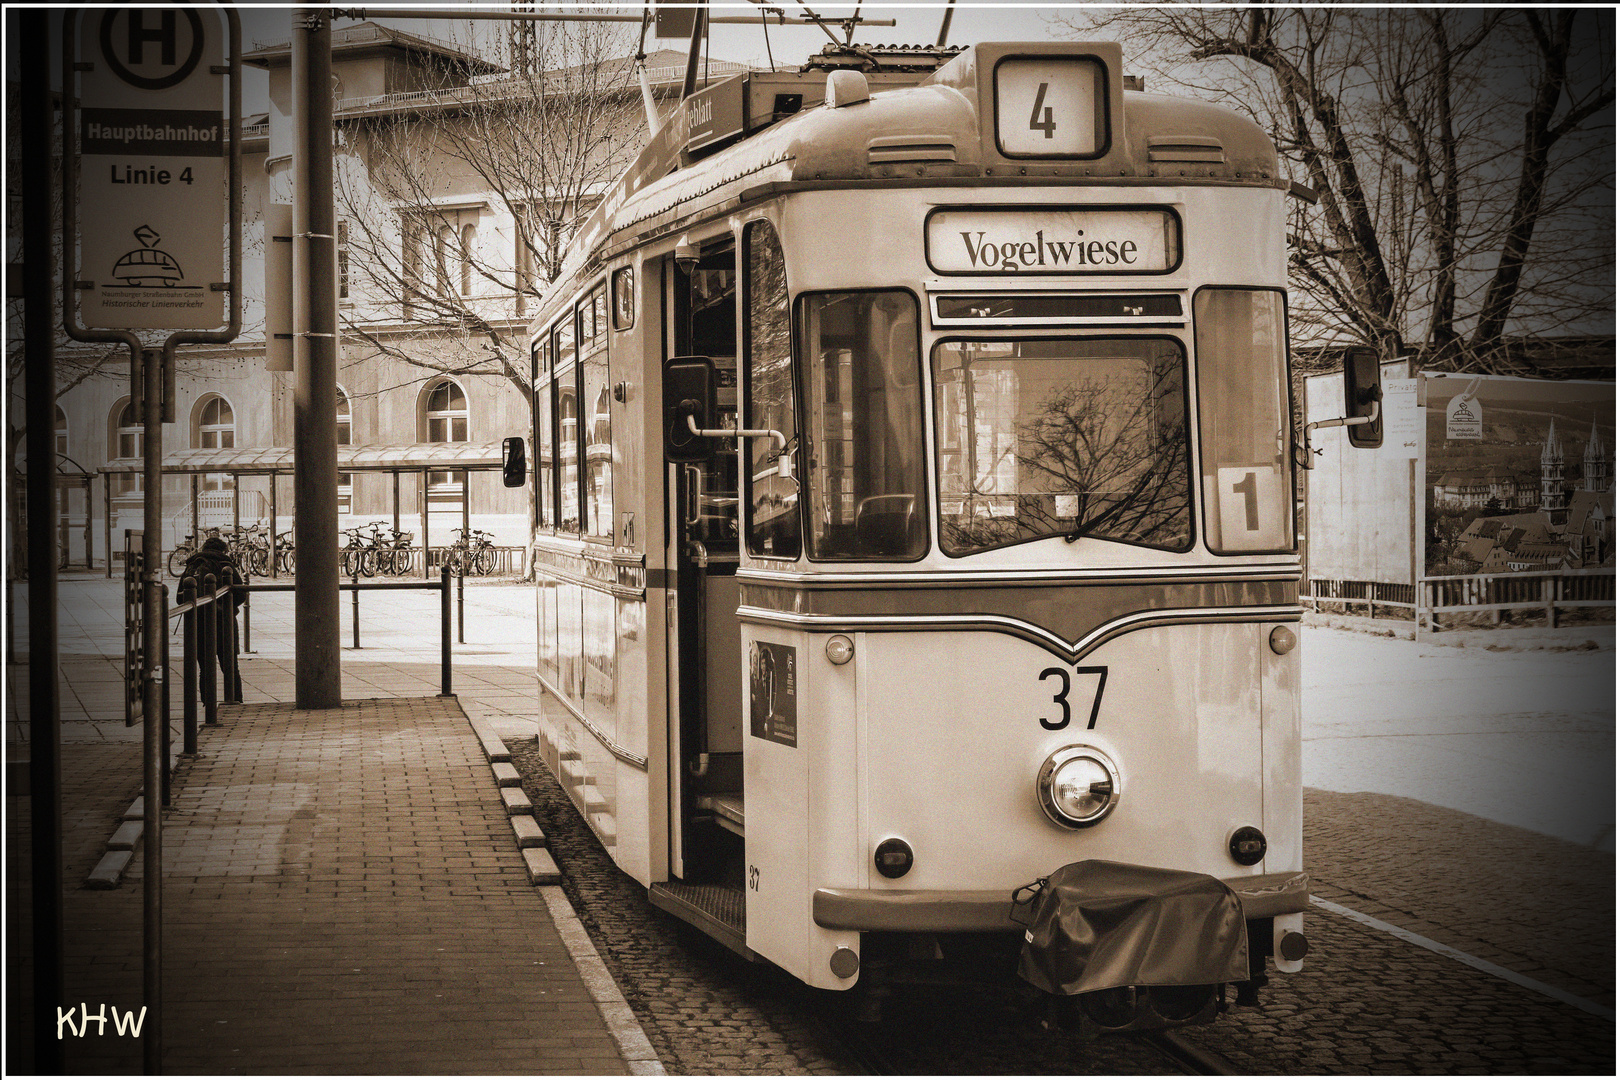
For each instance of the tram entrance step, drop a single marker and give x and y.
(727, 808)
(715, 909)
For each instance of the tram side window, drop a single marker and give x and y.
(597, 422)
(1062, 437)
(1243, 412)
(545, 454)
(863, 391)
(566, 395)
(773, 522)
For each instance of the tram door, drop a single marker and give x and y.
(706, 642)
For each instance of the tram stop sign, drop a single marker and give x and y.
(152, 168)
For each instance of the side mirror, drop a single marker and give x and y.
(514, 466)
(688, 403)
(1363, 397)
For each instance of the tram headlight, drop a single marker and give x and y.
(1078, 786)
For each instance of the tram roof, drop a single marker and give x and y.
(248, 460)
(918, 128)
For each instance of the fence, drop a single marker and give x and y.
(1490, 594)
(1552, 591)
(1358, 593)
(208, 631)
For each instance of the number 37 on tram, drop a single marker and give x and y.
(915, 542)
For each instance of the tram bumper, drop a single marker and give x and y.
(1096, 925)
(1263, 896)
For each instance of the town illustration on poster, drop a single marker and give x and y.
(151, 143)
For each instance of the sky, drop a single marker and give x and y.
(916, 23)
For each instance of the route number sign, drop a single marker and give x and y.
(152, 165)
(1050, 106)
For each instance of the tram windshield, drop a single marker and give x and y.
(1043, 437)
(864, 433)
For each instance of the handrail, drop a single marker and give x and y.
(199, 672)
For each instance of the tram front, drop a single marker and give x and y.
(1021, 613)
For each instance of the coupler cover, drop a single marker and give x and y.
(1095, 925)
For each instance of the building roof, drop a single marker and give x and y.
(351, 41)
(247, 460)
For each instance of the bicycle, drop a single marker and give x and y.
(359, 556)
(286, 558)
(186, 548)
(471, 553)
(250, 548)
(394, 552)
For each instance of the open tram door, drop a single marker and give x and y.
(704, 643)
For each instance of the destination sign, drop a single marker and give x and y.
(1056, 240)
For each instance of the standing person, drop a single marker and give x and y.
(214, 558)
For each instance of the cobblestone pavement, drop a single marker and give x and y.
(1367, 1002)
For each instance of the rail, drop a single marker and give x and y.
(203, 625)
(1551, 591)
(1348, 592)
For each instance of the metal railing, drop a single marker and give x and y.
(1353, 594)
(1551, 591)
(356, 587)
(204, 617)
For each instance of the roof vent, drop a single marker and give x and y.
(1202, 148)
(846, 87)
(897, 149)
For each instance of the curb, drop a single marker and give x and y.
(108, 873)
(639, 1056)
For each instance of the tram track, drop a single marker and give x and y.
(1197, 1060)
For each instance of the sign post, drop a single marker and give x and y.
(150, 211)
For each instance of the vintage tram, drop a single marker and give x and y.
(914, 473)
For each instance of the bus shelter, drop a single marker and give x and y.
(414, 459)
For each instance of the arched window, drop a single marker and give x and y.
(345, 437)
(61, 432)
(213, 427)
(444, 420)
(214, 424)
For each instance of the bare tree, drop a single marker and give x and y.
(536, 145)
(1463, 161)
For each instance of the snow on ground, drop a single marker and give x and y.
(1516, 726)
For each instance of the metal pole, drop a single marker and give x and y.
(423, 495)
(317, 650)
(106, 519)
(208, 650)
(196, 523)
(188, 666)
(168, 726)
(273, 559)
(156, 735)
(444, 631)
(233, 673)
(44, 719)
(355, 593)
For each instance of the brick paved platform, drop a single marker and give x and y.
(342, 894)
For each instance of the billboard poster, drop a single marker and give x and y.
(1519, 477)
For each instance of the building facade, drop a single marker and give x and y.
(441, 261)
